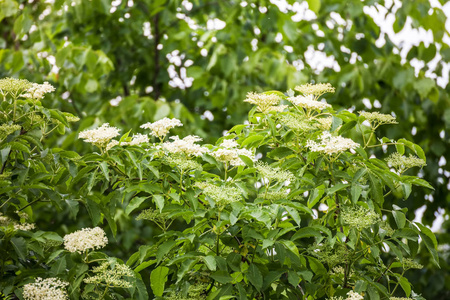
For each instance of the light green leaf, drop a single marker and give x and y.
(158, 279)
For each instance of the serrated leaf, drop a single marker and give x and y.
(255, 277)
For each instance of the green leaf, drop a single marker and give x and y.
(164, 249)
(134, 203)
(222, 277)
(158, 279)
(210, 262)
(400, 218)
(255, 277)
(406, 286)
(159, 201)
(104, 167)
(314, 5)
(20, 247)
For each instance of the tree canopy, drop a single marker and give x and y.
(131, 62)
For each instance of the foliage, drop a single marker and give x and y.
(302, 213)
(144, 52)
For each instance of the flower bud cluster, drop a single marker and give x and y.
(316, 90)
(13, 86)
(377, 118)
(6, 222)
(85, 239)
(401, 162)
(111, 275)
(222, 195)
(44, 289)
(265, 102)
(359, 217)
(273, 173)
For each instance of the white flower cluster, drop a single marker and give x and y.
(111, 277)
(85, 239)
(354, 296)
(324, 123)
(161, 128)
(37, 91)
(229, 153)
(265, 102)
(135, 141)
(315, 89)
(331, 144)
(185, 146)
(308, 102)
(359, 217)
(6, 221)
(100, 136)
(45, 289)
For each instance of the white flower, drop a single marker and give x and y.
(308, 102)
(45, 289)
(85, 239)
(331, 144)
(229, 153)
(138, 139)
(185, 146)
(37, 91)
(161, 128)
(354, 296)
(100, 136)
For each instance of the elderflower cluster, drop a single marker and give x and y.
(185, 146)
(359, 217)
(408, 263)
(195, 292)
(316, 90)
(354, 296)
(308, 102)
(85, 239)
(100, 136)
(37, 91)
(331, 144)
(274, 195)
(71, 118)
(400, 162)
(222, 195)
(153, 215)
(111, 275)
(6, 222)
(340, 271)
(182, 162)
(44, 289)
(229, 153)
(324, 123)
(265, 102)
(273, 173)
(136, 140)
(377, 118)
(7, 129)
(161, 128)
(13, 86)
(299, 125)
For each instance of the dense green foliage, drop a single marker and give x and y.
(312, 218)
(109, 49)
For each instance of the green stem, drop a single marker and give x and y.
(398, 282)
